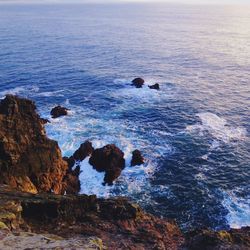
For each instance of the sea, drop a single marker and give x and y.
(193, 132)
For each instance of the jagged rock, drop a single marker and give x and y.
(58, 111)
(69, 217)
(155, 86)
(212, 240)
(138, 82)
(108, 159)
(83, 151)
(44, 121)
(137, 158)
(29, 160)
(71, 179)
(70, 160)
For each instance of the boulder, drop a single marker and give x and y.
(137, 158)
(58, 111)
(29, 160)
(109, 159)
(138, 82)
(155, 86)
(83, 151)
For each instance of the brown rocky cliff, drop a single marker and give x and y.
(29, 160)
(117, 222)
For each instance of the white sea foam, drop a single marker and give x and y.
(87, 124)
(218, 128)
(141, 95)
(21, 90)
(51, 93)
(238, 209)
(91, 181)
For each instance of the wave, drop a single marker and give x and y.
(21, 90)
(238, 209)
(218, 128)
(143, 95)
(50, 93)
(86, 124)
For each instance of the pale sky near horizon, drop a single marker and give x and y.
(121, 1)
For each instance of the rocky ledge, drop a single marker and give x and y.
(118, 223)
(35, 215)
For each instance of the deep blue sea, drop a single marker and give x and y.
(194, 132)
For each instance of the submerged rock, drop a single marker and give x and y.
(29, 160)
(138, 82)
(137, 158)
(155, 86)
(109, 159)
(58, 111)
(85, 149)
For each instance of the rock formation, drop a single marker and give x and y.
(85, 149)
(155, 86)
(58, 111)
(29, 160)
(211, 240)
(32, 163)
(118, 223)
(109, 159)
(137, 158)
(138, 82)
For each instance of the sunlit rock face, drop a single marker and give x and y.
(29, 160)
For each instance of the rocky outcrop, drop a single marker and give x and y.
(137, 158)
(29, 160)
(138, 82)
(118, 223)
(109, 159)
(211, 240)
(154, 86)
(85, 149)
(106, 223)
(58, 111)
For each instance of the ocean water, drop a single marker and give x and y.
(193, 132)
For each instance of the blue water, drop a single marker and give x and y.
(194, 132)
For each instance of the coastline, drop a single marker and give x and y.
(29, 205)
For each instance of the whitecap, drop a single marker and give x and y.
(21, 90)
(50, 93)
(238, 209)
(217, 127)
(91, 180)
(85, 124)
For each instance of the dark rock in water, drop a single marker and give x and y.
(71, 180)
(155, 86)
(108, 159)
(138, 82)
(137, 158)
(86, 149)
(58, 111)
(29, 161)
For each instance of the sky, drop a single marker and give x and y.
(152, 1)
